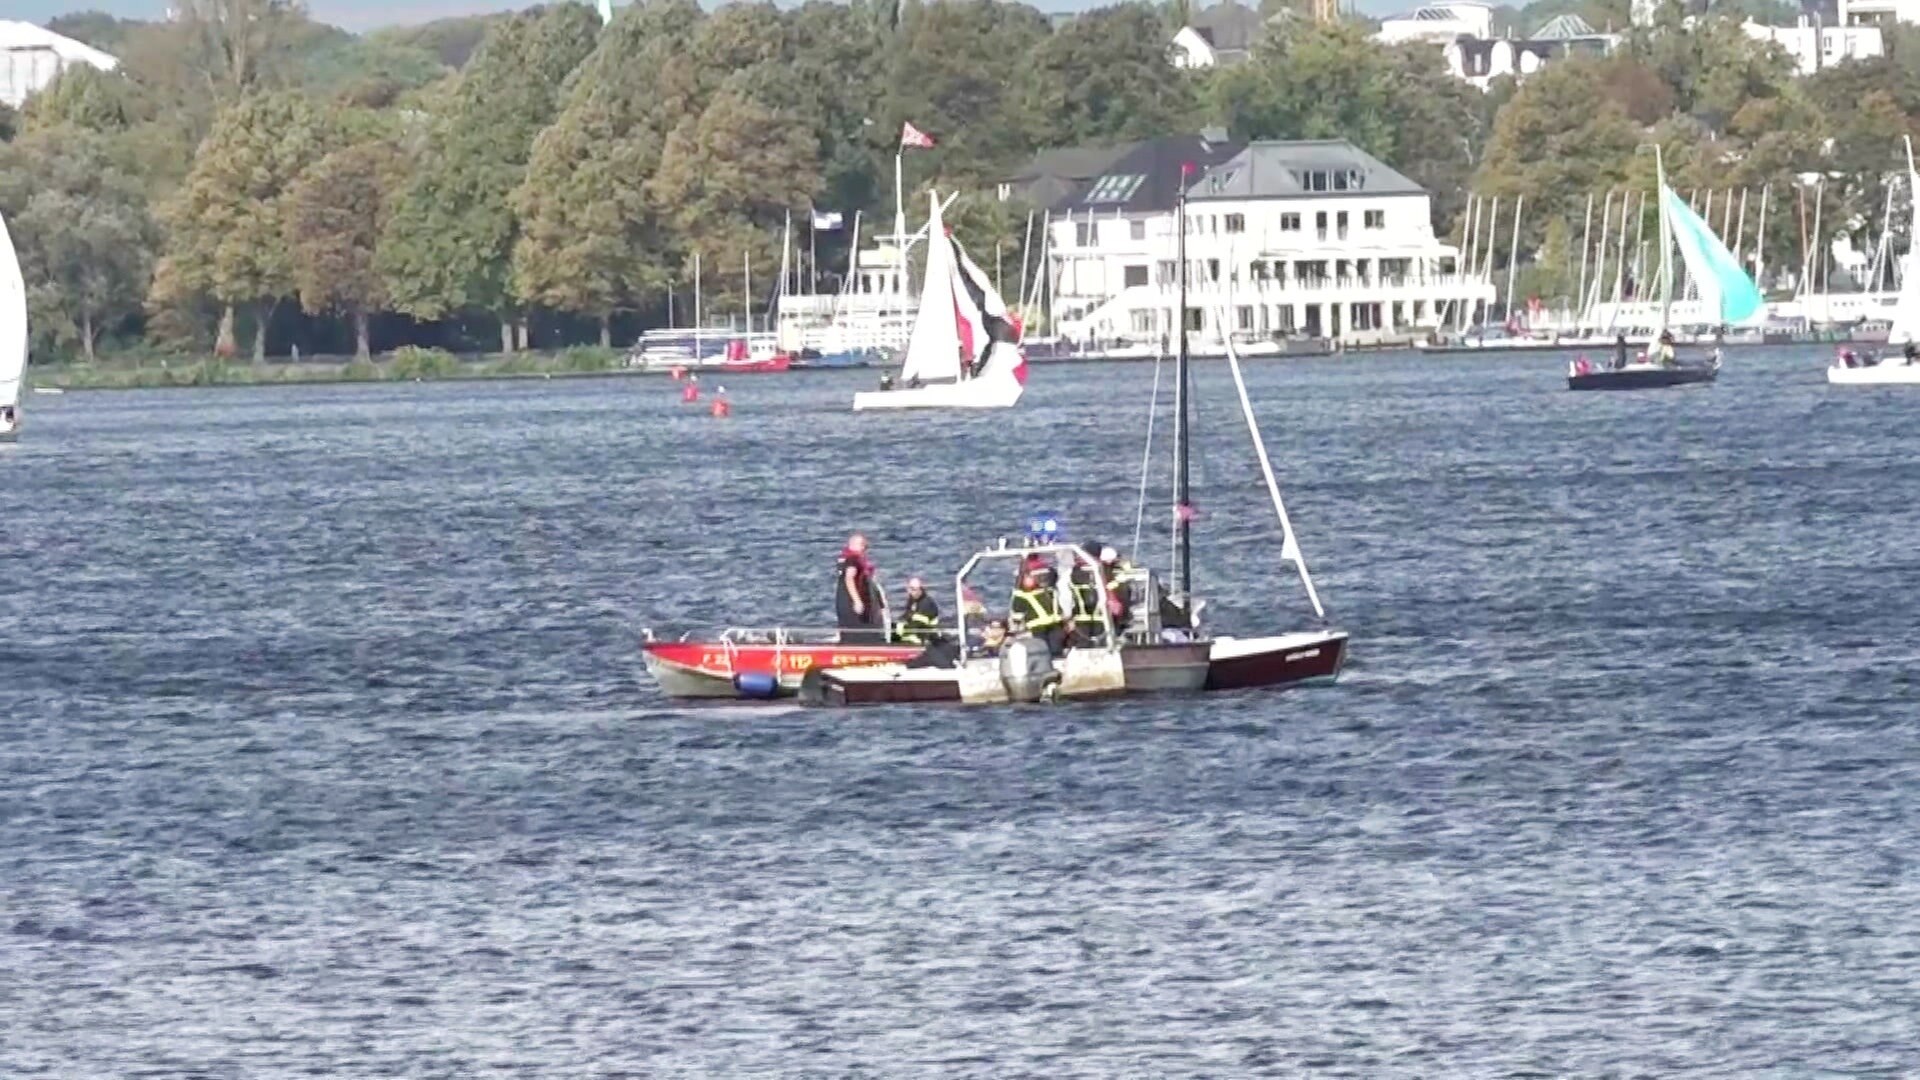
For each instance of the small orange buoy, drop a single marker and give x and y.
(690, 392)
(721, 408)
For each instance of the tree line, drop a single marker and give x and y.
(538, 178)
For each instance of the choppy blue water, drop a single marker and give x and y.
(324, 749)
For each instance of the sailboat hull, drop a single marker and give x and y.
(986, 392)
(1637, 377)
(1888, 373)
(1278, 661)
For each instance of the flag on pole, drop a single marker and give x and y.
(827, 220)
(913, 137)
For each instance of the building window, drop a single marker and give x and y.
(1340, 221)
(1213, 269)
(1143, 322)
(1289, 222)
(1083, 234)
(1137, 230)
(1166, 272)
(1243, 317)
(1236, 223)
(1134, 276)
(1320, 224)
(1376, 219)
(1196, 320)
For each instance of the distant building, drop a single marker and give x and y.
(33, 56)
(1439, 23)
(1313, 238)
(1814, 47)
(1482, 60)
(1221, 34)
(1878, 12)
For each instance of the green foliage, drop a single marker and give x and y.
(452, 229)
(588, 358)
(334, 216)
(451, 42)
(80, 224)
(9, 122)
(963, 94)
(593, 240)
(105, 32)
(1105, 77)
(412, 362)
(86, 97)
(228, 224)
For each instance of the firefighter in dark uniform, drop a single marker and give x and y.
(1089, 623)
(920, 617)
(1039, 606)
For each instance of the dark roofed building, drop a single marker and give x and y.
(1130, 178)
(1318, 167)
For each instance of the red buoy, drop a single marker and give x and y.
(721, 408)
(690, 392)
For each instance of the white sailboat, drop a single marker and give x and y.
(1901, 368)
(965, 349)
(13, 336)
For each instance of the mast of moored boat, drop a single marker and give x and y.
(1182, 511)
(1666, 242)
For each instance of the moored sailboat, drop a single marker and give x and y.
(964, 352)
(1724, 288)
(13, 336)
(1901, 368)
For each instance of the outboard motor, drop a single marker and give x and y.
(1026, 669)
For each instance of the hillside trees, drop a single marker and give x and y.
(450, 234)
(335, 213)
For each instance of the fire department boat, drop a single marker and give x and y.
(756, 663)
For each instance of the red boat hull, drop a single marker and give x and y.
(769, 365)
(724, 669)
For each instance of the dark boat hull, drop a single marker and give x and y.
(1642, 378)
(1285, 660)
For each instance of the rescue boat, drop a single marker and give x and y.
(750, 664)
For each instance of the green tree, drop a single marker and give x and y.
(334, 217)
(951, 76)
(1711, 65)
(592, 240)
(86, 97)
(451, 232)
(1555, 142)
(1104, 77)
(730, 177)
(227, 224)
(79, 219)
(452, 41)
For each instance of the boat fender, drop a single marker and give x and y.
(756, 684)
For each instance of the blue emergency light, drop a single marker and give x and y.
(1044, 528)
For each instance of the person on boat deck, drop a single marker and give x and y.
(920, 619)
(1039, 607)
(855, 599)
(1910, 352)
(1089, 622)
(993, 639)
(1620, 350)
(1663, 354)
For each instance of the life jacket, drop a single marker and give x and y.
(1086, 598)
(1040, 607)
(922, 619)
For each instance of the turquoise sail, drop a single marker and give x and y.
(1724, 287)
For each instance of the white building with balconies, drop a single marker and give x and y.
(1285, 240)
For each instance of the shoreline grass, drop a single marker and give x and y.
(403, 365)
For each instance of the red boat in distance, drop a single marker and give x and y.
(757, 664)
(739, 362)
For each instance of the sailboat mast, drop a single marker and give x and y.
(1182, 491)
(1666, 242)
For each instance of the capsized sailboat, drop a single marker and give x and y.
(1724, 288)
(13, 336)
(1902, 367)
(964, 352)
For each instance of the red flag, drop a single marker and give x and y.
(913, 137)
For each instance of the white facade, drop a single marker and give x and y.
(1354, 267)
(1868, 12)
(33, 56)
(1815, 47)
(1439, 23)
(1190, 50)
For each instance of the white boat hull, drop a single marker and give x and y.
(1888, 373)
(10, 429)
(985, 392)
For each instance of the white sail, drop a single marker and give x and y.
(13, 321)
(933, 352)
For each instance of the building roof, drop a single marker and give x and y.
(1280, 170)
(1129, 178)
(26, 36)
(1565, 28)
